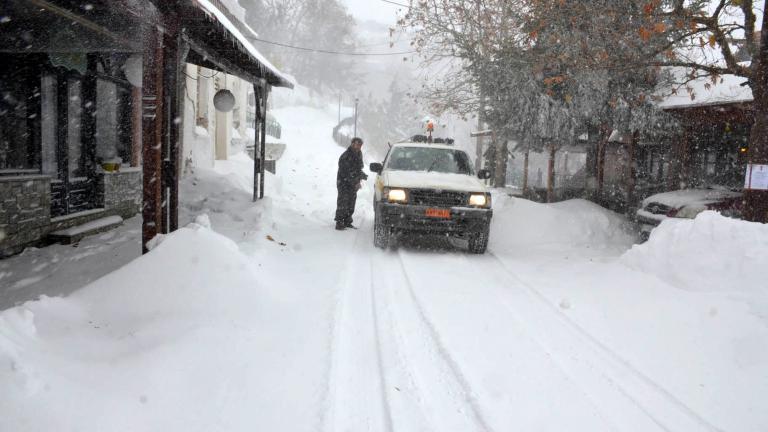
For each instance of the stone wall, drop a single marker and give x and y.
(25, 206)
(25, 211)
(121, 192)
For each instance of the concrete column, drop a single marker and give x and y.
(223, 134)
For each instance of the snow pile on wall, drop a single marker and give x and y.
(709, 253)
(173, 341)
(518, 222)
(198, 144)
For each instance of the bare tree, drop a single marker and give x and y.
(299, 26)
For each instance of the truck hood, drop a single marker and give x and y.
(432, 180)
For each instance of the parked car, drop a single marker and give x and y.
(687, 203)
(431, 188)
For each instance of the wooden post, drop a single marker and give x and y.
(551, 173)
(135, 126)
(631, 171)
(601, 146)
(675, 164)
(34, 118)
(525, 171)
(152, 121)
(590, 179)
(62, 139)
(263, 155)
(685, 159)
(166, 120)
(176, 116)
(88, 131)
(256, 141)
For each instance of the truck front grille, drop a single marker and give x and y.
(428, 197)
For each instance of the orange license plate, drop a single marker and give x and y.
(438, 213)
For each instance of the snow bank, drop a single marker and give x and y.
(518, 222)
(177, 340)
(709, 253)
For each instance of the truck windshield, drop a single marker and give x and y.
(429, 159)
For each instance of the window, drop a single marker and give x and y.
(113, 120)
(20, 101)
(429, 159)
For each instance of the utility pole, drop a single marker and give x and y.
(339, 109)
(355, 133)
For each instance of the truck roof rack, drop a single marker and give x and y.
(425, 139)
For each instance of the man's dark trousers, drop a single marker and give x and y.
(345, 204)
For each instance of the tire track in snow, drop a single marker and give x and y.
(414, 350)
(558, 332)
(355, 399)
(519, 342)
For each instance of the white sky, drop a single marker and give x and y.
(375, 10)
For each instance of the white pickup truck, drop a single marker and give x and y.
(431, 188)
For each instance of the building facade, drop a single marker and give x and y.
(91, 113)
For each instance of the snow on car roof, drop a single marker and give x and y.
(686, 197)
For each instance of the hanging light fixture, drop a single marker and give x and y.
(133, 69)
(224, 100)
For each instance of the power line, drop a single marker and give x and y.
(396, 3)
(329, 51)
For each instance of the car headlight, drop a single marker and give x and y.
(480, 200)
(396, 195)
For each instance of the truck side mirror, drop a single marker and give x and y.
(484, 174)
(377, 167)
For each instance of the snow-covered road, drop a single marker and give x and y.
(263, 317)
(446, 341)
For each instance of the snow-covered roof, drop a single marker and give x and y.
(704, 91)
(232, 28)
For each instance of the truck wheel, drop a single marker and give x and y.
(478, 242)
(380, 234)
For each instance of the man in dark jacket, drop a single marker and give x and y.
(348, 180)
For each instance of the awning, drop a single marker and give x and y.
(224, 46)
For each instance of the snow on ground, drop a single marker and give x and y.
(580, 223)
(172, 341)
(272, 320)
(62, 269)
(729, 255)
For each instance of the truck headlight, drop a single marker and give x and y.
(397, 195)
(479, 200)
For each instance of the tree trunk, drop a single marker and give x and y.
(605, 133)
(631, 173)
(551, 174)
(502, 157)
(756, 201)
(525, 172)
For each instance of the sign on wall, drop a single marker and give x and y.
(757, 177)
